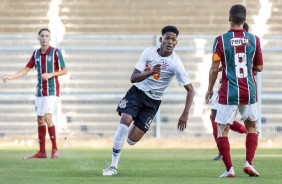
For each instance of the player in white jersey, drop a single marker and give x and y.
(151, 77)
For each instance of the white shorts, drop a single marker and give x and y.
(214, 101)
(45, 105)
(226, 114)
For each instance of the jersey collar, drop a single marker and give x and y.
(237, 30)
(47, 52)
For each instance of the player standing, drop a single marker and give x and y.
(151, 77)
(240, 55)
(49, 63)
(236, 126)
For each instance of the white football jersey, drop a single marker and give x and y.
(170, 66)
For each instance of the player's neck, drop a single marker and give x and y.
(162, 52)
(236, 26)
(44, 49)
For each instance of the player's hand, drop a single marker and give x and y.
(182, 122)
(46, 76)
(6, 78)
(156, 69)
(208, 96)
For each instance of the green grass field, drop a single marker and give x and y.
(156, 166)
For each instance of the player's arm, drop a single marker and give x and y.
(212, 76)
(258, 68)
(20, 73)
(47, 76)
(258, 61)
(182, 122)
(138, 76)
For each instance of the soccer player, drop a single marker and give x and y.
(240, 55)
(236, 126)
(49, 63)
(151, 77)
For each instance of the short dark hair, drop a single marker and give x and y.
(246, 27)
(170, 29)
(238, 14)
(43, 29)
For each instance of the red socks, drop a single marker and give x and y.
(41, 138)
(237, 127)
(52, 134)
(224, 149)
(251, 146)
(214, 128)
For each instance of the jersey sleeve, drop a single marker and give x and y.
(217, 50)
(141, 64)
(258, 55)
(60, 59)
(31, 62)
(180, 73)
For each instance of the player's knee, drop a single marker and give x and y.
(222, 130)
(41, 121)
(130, 142)
(49, 120)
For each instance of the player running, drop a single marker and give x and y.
(151, 77)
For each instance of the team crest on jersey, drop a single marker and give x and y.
(164, 65)
(49, 59)
(122, 104)
(240, 41)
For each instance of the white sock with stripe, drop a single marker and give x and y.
(118, 143)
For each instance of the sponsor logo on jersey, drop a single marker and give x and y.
(239, 41)
(122, 104)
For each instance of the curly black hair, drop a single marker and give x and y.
(170, 29)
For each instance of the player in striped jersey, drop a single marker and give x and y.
(236, 126)
(240, 55)
(49, 64)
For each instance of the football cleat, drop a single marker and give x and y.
(229, 174)
(250, 170)
(38, 155)
(218, 157)
(110, 171)
(54, 153)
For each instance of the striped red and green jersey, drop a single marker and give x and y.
(239, 51)
(49, 62)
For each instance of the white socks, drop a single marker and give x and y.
(118, 143)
